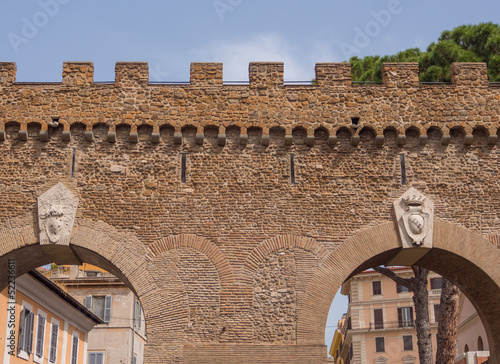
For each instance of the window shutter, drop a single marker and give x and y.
(74, 354)
(88, 303)
(39, 336)
(379, 318)
(21, 329)
(29, 333)
(107, 309)
(411, 316)
(398, 288)
(400, 317)
(53, 343)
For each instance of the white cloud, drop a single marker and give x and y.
(272, 47)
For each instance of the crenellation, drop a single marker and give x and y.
(472, 74)
(131, 74)
(400, 74)
(206, 74)
(333, 74)
(264, 75)
(264, 104)
(78, 74)
(8, 71)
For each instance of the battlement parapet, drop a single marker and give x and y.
(261, 74)
(333, 106)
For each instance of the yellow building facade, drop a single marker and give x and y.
(379, 327)
(40, 323)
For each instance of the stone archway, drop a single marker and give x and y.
(461, 255)
(94, 242)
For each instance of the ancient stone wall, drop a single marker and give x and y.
(239, 193)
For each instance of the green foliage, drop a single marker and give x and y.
(466, 43)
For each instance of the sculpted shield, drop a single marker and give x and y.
(414, 214)
(56, 215)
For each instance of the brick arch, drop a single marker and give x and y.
(280, 242)
(95, 242)
(230, 300)
(459, 254)
(200, 244)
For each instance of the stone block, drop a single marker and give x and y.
(88, 135)
(155, 138)
(199, 138)
(206, 74)
(333, 74)
(221, 140)
(23, 135)
(111, 137)
(131, 74)
(400, 74)
(78, 74)
(469, 74)
(65, 136)
(379, 140)
(266, 75)
(133, 137)
(8, 71)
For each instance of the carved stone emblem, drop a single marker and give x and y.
(414, 214)
(56, 215)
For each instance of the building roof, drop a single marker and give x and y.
(64, 295)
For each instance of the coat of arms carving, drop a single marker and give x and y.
(414, 214)
(56, 215)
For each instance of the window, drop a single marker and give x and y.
(53, 342)
(379, 344)
(376, 287)
(26, 332)
(400, 288)
(74, 348)
(40, 336)
(378, 317)
(480, 346)
(408, 342)
(437, 312)
(137, 314)
(405, 316)
(100, 306)
(466, 349)
(96, 358)
(436, 283)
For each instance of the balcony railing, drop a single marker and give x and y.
(383, 325)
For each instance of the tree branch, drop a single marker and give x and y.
(389, 273)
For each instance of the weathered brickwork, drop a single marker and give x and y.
(236, 211)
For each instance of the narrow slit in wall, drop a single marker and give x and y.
(403, 169)
(292, 170)
(183, 167)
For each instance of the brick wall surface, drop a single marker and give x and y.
(236, 262)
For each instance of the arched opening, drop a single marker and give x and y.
(91, 281)
(480, 346)
(458, 254)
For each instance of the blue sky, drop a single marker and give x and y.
(40, 35)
